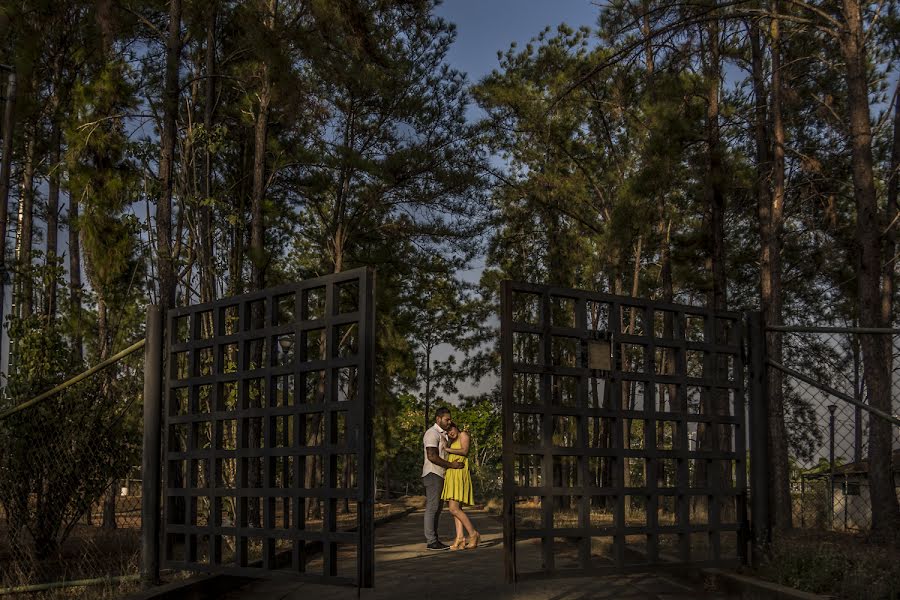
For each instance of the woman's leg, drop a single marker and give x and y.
(462, 519)
(453, 507)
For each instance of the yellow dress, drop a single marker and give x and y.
(458, 482)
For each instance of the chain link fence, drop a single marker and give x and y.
(828, 436)
(70, 484)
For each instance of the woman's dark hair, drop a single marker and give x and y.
(453, 425)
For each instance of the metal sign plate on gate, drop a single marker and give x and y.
(624, 441)
(269, 453)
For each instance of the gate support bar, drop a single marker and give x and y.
(830, 390)
(759, 437)
(150, 465)
(73, 380)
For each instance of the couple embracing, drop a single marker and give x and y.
(446, 477)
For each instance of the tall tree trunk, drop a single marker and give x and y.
(890, 242)
(236, 258)
(770, 203)
(168, 132)
(715, 211)
(6, 168)
(165, 244)
(715, 196)
(75, 279)
(876, 350)
(109, 507)
(53, 220)
(207, 272)
(26, 231)
(258, 254)
(259, 259)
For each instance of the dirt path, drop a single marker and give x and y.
(404, 569)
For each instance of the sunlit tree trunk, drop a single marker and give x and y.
(876, 349)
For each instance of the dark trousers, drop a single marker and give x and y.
(434, 486)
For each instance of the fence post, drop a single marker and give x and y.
(759, 437)
(150, 465)
(831, 409)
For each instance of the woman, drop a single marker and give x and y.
(458, 489)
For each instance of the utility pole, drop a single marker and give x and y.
(5, 168)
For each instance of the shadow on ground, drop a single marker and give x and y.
(404, 569)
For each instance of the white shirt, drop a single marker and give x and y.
(435, 437)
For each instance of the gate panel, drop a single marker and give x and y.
(269, 454)
(624, 440)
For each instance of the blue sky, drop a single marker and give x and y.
(486, 26)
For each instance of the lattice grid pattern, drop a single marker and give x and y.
(268, 452)
(624, 433)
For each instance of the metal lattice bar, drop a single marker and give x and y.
(577, 469)
(268, 397)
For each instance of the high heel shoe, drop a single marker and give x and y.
(473, 541)
(459, 544)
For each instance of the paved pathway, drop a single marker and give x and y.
(404, 569)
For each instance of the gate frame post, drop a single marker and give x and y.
(366, 508)
(152, 449)
(761, 525)
(506, 376)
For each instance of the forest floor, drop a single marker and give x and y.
(404, 569)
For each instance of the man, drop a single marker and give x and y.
(436, 464)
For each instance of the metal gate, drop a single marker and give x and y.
(269, 453)
(624, 439)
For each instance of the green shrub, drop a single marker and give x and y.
(58, 456)
(839, 564)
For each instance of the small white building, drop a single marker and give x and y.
(851, 505)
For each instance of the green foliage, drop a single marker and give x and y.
(480, 417)
(58, 456)
(398, 444)
(102, 177)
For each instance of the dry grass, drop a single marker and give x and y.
(93, 552)
(88, 553)
(494, 506)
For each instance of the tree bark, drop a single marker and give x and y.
(715, 196)
(50, 293)
(75, 280)
(258, 255)
(168, 132)
(26, 232)
(207, 272)
(259, 259)
(9, 111)
(109, 507)
(770, 203)
(236, 258)
(876, 349)
(890, 241)
(715, 210)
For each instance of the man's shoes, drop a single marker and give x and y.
(437, 546)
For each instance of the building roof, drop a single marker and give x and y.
(861, 467)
